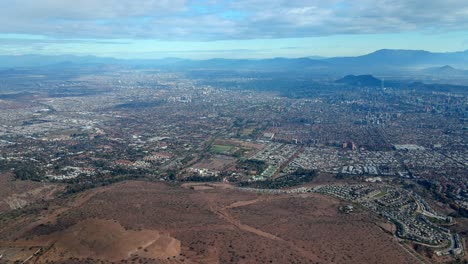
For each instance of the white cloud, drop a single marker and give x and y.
(184, 20)
(87, 9)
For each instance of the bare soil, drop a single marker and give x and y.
(156, 223)
(18, 194)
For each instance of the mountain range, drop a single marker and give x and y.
(383, 61)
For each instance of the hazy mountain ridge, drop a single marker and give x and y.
(360, 80)
(26, 61)
(381, 61)
(445, 70)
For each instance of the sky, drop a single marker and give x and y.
(202, 29)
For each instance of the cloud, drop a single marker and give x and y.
(45, 41)
(88, 9)
(224, 19)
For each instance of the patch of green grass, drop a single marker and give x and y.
(221, 149)
(269, 171)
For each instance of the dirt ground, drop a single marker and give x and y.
(18, 194)
(217, 162)
(106, 239)
(156, 223)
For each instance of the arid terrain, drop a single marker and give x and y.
(146, 222)
(15, 194)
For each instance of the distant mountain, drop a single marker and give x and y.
(380, 62)
(25, 61)
(360, 80)
(386, 59)
(445, 71)
(317, 57)
(9, 62)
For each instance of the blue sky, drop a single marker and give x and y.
(203, 29)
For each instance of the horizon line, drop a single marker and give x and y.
(311, 57)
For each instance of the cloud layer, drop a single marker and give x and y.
(225, 19)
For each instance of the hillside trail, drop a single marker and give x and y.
(51, 218)
(224, 214)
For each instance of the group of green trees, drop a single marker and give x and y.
(252, 165)
(23, 170)
(298, 177)
(79, 184)
(196, 178)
